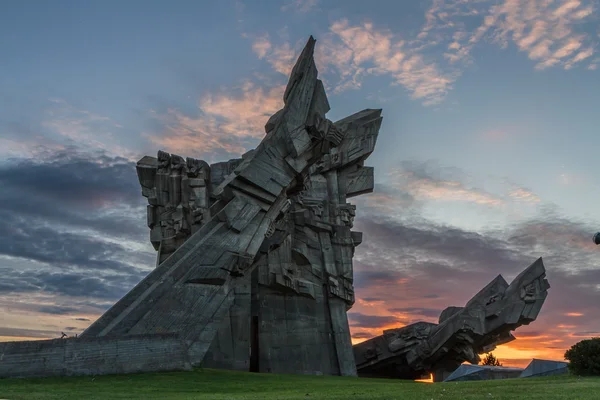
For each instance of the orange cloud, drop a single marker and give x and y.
(225, 121)
(545, 30)
(525, 195)
(563, 326)
(451, 191)
(21, 338)
(354, 51)
(359, 335)
(280, 57)
(371, 303)
(443, 190)
(261, 46)
(351, 48)
(574, 314)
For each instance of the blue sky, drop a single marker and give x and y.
(490, 134)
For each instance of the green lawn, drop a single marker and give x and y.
(215, 384)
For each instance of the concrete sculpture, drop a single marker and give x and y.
(258, 249)
(416, 350)
(254, 265)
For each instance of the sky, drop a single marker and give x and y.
(485, 161)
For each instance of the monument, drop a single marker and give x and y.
(254, 264)
(416, 350)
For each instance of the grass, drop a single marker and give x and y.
(217, 384)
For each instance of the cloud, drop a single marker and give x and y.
(75, 237)
(84, 128)
(525, 195)
(423, 266)
(370, 321)
(361, 335)
(372, 299)
(73, 177)
(551, 33)
(374, 277)
(32, 333)
(261, 46)
(68, 187)
(58, 310)
(430, 181)
(226, 125)
(439, 266)
(388, 199)
(586, 334)
(84, 276)
(300, 6)
(425, 312)
(355, 50)
(348, 53)
(281, 57)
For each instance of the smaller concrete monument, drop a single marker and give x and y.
(416, 350)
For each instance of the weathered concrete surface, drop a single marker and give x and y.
(462, 334)
(191, 291)
(545, 368)
(254, 264)
(93, 356)
(467, 372)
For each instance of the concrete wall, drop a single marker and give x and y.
(92, 356)
(545, 368)
(294, 334)
(559, 371)
(230, 348)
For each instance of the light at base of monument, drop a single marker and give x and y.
(426, 380)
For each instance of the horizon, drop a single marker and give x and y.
(483, 161)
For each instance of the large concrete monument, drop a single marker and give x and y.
(486, 321)
(254, 265)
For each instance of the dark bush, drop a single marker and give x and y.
(584, 357)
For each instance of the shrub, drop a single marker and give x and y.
(491, 360)
(584, 357)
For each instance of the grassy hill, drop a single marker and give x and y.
(216, 384)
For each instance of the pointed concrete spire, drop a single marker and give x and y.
(304, 63)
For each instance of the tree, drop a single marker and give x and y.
(491, 360)
(584, 357)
